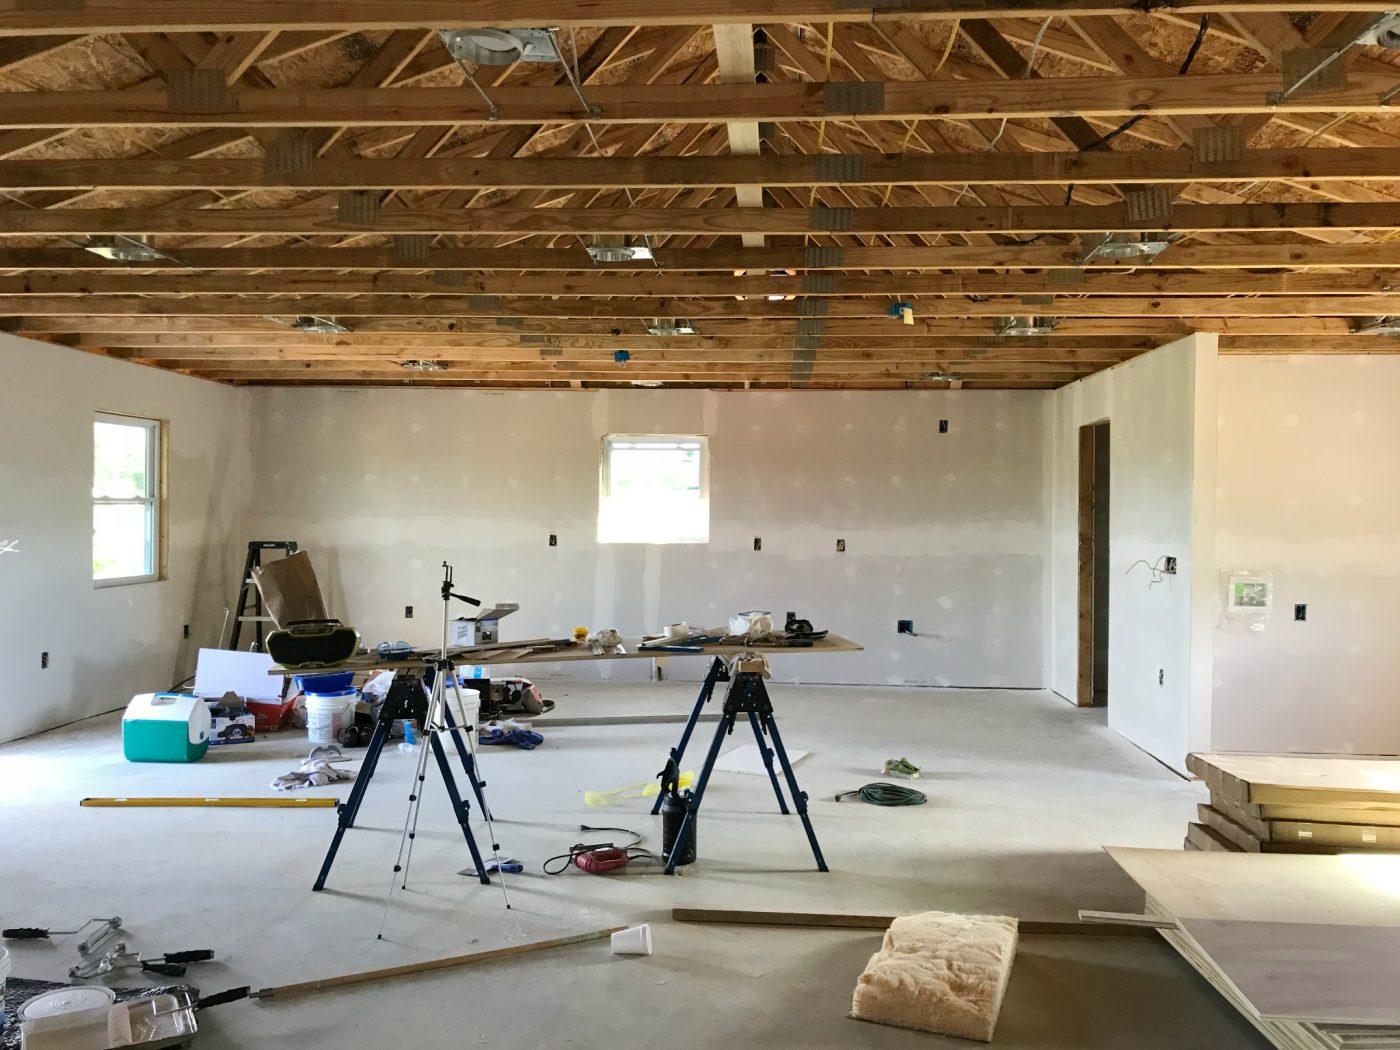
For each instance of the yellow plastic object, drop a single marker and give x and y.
(580, 634)
(647, 789)
(218, 803)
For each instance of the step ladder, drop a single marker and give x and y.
(248, 593)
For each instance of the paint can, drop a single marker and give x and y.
(327, 714)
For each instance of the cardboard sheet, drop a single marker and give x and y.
(289, 589)
(746, 759)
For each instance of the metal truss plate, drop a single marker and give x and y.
(817, 256)
(412, 247)
(830, 220)
(358, 208)
(819, 283)
(1218, 143)
(290, 156)
(811, 308)
(510, 322)
(833, 167)
(1150, 205)
(450, 278)
(1309, 69)
(854, 96)
(197, 91)
(810, 327)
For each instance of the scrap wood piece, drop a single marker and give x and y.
(285, 991)
(939, 972)
(838, 921)
(214, 803)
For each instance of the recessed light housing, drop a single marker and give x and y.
(1387, 325)
(1016, 326)
(670, 326)
(499, 47)
(1123, 245)
(619, 253)
(123, 249)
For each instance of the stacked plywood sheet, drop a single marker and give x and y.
(1296, 804)
(1307, 948)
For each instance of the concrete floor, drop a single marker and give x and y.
(1023, 790)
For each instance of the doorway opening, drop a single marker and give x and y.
(1092, 690)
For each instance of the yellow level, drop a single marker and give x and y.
(276, 802)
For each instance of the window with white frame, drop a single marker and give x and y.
(126, 512)
(655, 488)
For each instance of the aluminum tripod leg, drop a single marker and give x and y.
(767, 753)
(706, 691)
(692, 807)
(799, 797)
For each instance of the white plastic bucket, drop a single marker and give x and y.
(327, 714)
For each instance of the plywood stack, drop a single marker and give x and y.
(1296, 804)
(1306, 948)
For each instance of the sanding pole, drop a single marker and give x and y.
(285, 991)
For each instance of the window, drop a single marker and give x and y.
(655, 489)
(126, 512)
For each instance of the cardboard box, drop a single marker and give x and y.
(240, 729)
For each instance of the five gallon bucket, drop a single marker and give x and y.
(327, 714)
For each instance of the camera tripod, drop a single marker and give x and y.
(410, 698)
(747, 695)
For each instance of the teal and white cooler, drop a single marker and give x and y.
(165, 727)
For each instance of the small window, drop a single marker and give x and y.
(655, 489)
(126, 511)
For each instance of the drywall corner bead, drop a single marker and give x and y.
(1248, 600)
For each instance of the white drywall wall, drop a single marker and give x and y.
(1309, 491)
(1162, 469)
(106, 644)
(945, 529)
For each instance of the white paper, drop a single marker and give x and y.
(220, 671)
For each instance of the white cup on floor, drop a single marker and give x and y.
(633, 941)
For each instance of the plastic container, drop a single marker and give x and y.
(633, 941)
(325, 683)
(327, 714)
(165, 727)
(4, 977)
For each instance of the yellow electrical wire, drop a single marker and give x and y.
(914, 124)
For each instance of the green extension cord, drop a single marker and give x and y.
(879, 794)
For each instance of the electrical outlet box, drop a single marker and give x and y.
(1161, 676)
(1300, 611)
(840, 546)
(1169, 565)
(187, 632)
(943, 426)
(43, 660)
(904, 626)
(408, 612)
(758, 543)
(553, 540)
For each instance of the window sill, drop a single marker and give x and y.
(124, 581)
